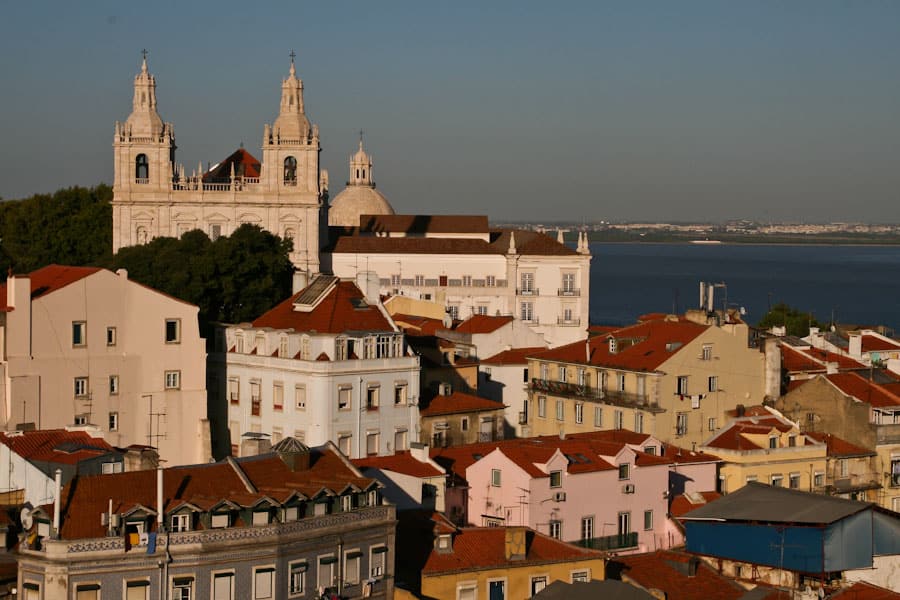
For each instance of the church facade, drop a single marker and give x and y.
(153, 196)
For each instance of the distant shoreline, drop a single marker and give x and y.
(756, 240)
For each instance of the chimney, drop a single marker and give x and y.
(299, 281)
(159, 498)
(419, 451)
(367, 282)
(18, 321)
(702, 294)
(253, 444)
(57, 502)
(855, 348)
(559, 237)
(514, 543)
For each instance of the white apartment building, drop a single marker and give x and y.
(83, 345)
(471, 269)
(327, 364)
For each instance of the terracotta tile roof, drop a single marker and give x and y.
(862, 590)
(49, 279)
(458, 402)
(641, 347)
(804, 360)
(838, 447)
(204, 485)
(513, 356)
(528, 243)
(423, 223)
(685, 503)
(245, 164)
(872, 343)
(401, 462)
(337, 312)
(484, 547)
(864, 390)
(56, 445)
(733, 437)
(667, 570)
(482, 324)
(683, 455)
(416, 325)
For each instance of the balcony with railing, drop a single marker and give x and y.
(568, 291)
(529, 291)
(621, 541)
(593, 394)
(568, 322)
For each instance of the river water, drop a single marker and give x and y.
(854, 284)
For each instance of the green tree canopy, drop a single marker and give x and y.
(73, 226)
(795, 322)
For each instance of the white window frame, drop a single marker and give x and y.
(542, 406)
(110, 336)
(257, 570)
(113, 421)
(176, 339)
(173, 380)
(212, 583)
(180, 583)
(180, 522)
(554, 529)
(297, 568)
(113, 385)
(81, 387)
(579, 412)
(496, 478)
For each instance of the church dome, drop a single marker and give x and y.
(360, 196)
(354, 201)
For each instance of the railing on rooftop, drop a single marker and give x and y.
(611, 542)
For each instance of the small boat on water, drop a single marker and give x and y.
(706, 241)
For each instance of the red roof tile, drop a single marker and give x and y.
(245, 165)
(864, 390)
(482, 324)
(805, 360)
(416, 325)
(872, 343)
(401, 462)
(50, 279)
(862, 590)
(641, 347)
(204, 485)
(56, 445)
(838, 447)
(423, 223)
(336, 313)
(484, 547)
(529, 243)
(458, 402)
(513, 356)
(668, 571)
(685, 503)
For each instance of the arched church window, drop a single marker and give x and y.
(364, 173)
(357, 173)
(290, 169)
(141, 168)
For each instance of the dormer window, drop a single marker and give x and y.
(261, 517)
(372, 499)
(291, 513)
(444, 542)
(346, 503)
(220, 520)
(624, 471)
(773, 442)
(181, 522)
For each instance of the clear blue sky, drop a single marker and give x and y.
(522, 110)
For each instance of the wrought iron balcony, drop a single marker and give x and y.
(593, 394)
(568, 292)
(611, 542)
(528, 292)
(564, 321)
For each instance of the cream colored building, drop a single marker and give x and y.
(154, 196)
(83, 345)
(472, 269)
(672, 377)
(360, 196)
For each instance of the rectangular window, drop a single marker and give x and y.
(545, 371)
(560, 410)
(555, 529)
(773, 442)
(326, 574)
(223, 586)
(711, 424)
(581, 576)
(648, 520)
(453, 311)
(278, 396)
(87, 591)
(681, 423)
(283, 347)
(538, 584)
(467, 280)
(713, 383)
(181, 522)
(777, 480)
(618, 420)
(598, 416)
(707, 352)
(464, 423)
(351, 567)
(113, 385)
(638, 422)
(495, 477)
(372, 443)
(620, 382)
(794, 481)
(527, 283)
(81, 387)
(400, 394)
(525, 375)
(219, 520)
(173, 380)
(563, 373)
(183, 588)
(568, 283)
(792, 441)
(344, 443)
(400, 442)
(111, 467)
(137, 590)
(81, 419)
(173, 331)
(587, 528)
(844, 466)
(579, 412)
(819, 479)
(263, 583)
(344, 394)
(372, 397)
(490, 281)
(527, 311)
(234, 390)
(113, 421)
(110, 336)
(682, 386)
(555, 479)
(79, 333)
(542, 406)
(377, 560)
(297, 578)
(624, 471)
(300, 396)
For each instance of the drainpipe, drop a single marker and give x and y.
(340, 557)
(56, 507)
(358, 412)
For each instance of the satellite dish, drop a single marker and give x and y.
(26, 518)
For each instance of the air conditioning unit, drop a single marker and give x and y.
(559, 496)
(628, 488)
